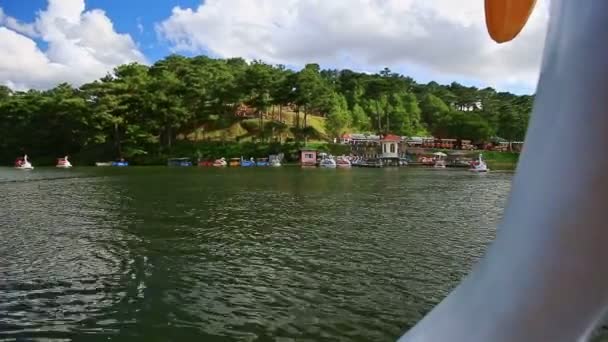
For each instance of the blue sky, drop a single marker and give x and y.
(427, 40)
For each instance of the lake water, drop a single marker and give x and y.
(162, 254)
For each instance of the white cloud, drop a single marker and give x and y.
(444, 37)
(82, 46)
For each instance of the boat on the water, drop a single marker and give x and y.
(22, 163)
(343, 162)
(205, 163)
(263, 162)
(327, 161)
(103, 164)
(63, 163)
(234, 162)
(180, 162)
(439, 160)
(275, 160)
(373, 163)
(247, 163)
(220, 162)
(120, 163)
(479, 165)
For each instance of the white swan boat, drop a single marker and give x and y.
(479, 165)
(23, 164)
(275, 162)
(327, 162)
(63, 163)
(220, 162)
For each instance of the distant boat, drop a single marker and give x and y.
(22, 163)
(63, 163)
(179, 162)
(343, 162)
(440, 160)
(220, 162)
(247, 163)
(120, 163)
(206, 163)
(327, 162)
(275, 160)
(103, 164)
(479, 165)
(262, 162)
(234, 162)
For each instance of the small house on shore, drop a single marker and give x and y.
(308, 157)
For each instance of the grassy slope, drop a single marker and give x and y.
(243, 129)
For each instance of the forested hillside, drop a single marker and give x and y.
(143, 109)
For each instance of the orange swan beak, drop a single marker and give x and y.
(506, 18)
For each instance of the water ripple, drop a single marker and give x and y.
(287, 254)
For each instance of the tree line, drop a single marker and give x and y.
(141, 109)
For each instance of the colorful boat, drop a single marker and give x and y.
(120, 163)
(220, 162)
(22, 163)
(263, 162)
(479, 165)
(234, 162)
(103, 164)
(63, 163)
(206, 163)
(179, 162)
(247, 163)
(327, 161)
(343, 162)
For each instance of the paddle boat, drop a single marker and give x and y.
(479, 165)
(343, 162)
(234, 162)
(439, 160)
(22, 163)
(327, 161)
(247, 163)
(220, 162)
(275, 160)
(179, 162)
(120, 163)
(206, 163)
(263, 162)
(103, 164)
(63, 163)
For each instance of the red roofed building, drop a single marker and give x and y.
(390, 147)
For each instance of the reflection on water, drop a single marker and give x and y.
(236, 254)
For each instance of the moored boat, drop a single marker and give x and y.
(120, 163)
(439, 160)
(343, 162)
(275, 160)
(206, 163)
(235, 162)
(63, 163)
(247, 163)
(22, 163)
(220, 162)
(327, 161)
(263, 162)
(479, 165)
(103, 164)
(180, 162)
